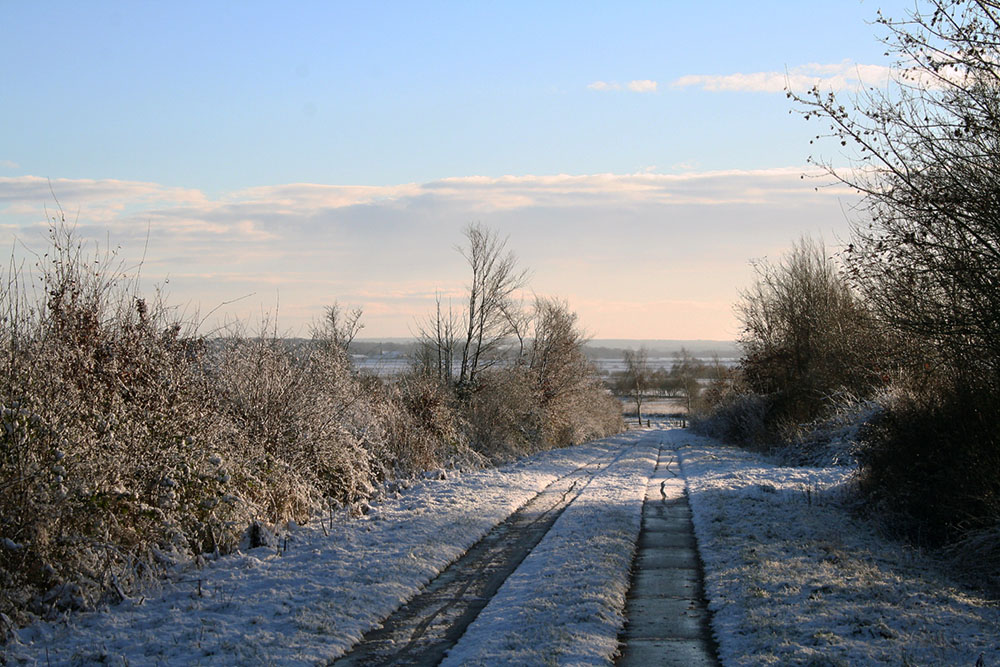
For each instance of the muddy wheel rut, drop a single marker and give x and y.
(422, 630)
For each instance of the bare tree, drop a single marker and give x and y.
(438, 344)
(637, 376)
(338, 327)
(925, 152)
(489, 317)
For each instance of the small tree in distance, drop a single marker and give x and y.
(637, 376)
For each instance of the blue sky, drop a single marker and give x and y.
(317, 151)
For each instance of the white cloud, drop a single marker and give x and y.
(642, 86)
(604, 85)
(591, 238)
(9, 164)
(836, 76)
(636, 86)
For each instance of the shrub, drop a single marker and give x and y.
(504, 414)
(737, 417)
(931, 460)
(806, 336)
(128, 443)
(574, 404)
(926, 256)
(106, 454)
(426, 427)
(299, 417)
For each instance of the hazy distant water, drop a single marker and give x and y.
(392, 364)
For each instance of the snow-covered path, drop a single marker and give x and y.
(315, 601)
(790, 575)
(426, 627)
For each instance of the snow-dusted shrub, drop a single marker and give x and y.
(108, 456)
(977, 553)
(128, 444)
(806, 335)
(504, 414)
(575, 406)
(931, 461)
(737, 417)
(588, 413)
(300, 416)
(833, 440)
(548, 397)
(428, 429)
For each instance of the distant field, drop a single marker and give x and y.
(655, 406)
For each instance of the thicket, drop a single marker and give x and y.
(924, 261)
(130, 443)
(518, 374)
(809, 345)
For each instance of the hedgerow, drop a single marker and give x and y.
(130, 443)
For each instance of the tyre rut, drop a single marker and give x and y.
(422, 630)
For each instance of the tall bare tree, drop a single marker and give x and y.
(490, 317)
(478, 337)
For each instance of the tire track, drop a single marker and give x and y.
(422, 630)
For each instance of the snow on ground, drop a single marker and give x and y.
(791, 577)
(317, 599)
(564, 604)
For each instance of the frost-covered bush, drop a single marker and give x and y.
(806, 336)
(737, 417)
(588, 413)
(575, 406)
(108, 452)
(300, 417)
(504, 414)
(833, 440)
(549, 396)
(931, 461)
(128, 443)
(429, 429)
